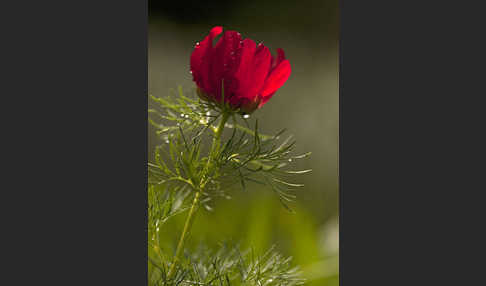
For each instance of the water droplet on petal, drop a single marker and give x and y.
(246, 116)
(190, 72)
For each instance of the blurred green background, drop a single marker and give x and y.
(307, 105)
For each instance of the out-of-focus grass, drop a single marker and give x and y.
(257, 220)
(307, 105)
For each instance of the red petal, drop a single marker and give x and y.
(276, 79)
(243, 74)
(280, 56)
(259, 71)
(216, 31)
(196, 60)
(201, 59)
(265, 99)
(225, 62)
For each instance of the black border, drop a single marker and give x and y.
(75, 84)
(409, 143)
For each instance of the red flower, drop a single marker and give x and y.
(249, 74)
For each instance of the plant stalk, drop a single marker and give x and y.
(217, 136)
(195, 203)
(187, 227)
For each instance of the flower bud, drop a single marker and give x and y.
(247, 74)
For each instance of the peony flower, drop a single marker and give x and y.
(247, 73)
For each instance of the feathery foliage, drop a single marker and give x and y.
(223, 267)
(246, 156)
(227, 266)
(187, 172)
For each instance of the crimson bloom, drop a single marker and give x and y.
(248, 73)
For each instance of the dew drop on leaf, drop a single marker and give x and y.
(208, 208)
(246, 116)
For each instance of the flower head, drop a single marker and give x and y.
(246, 75)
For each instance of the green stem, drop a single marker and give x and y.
(217, 136)
(187, 227)
(195, 203)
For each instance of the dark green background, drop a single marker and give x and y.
(307, 105)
